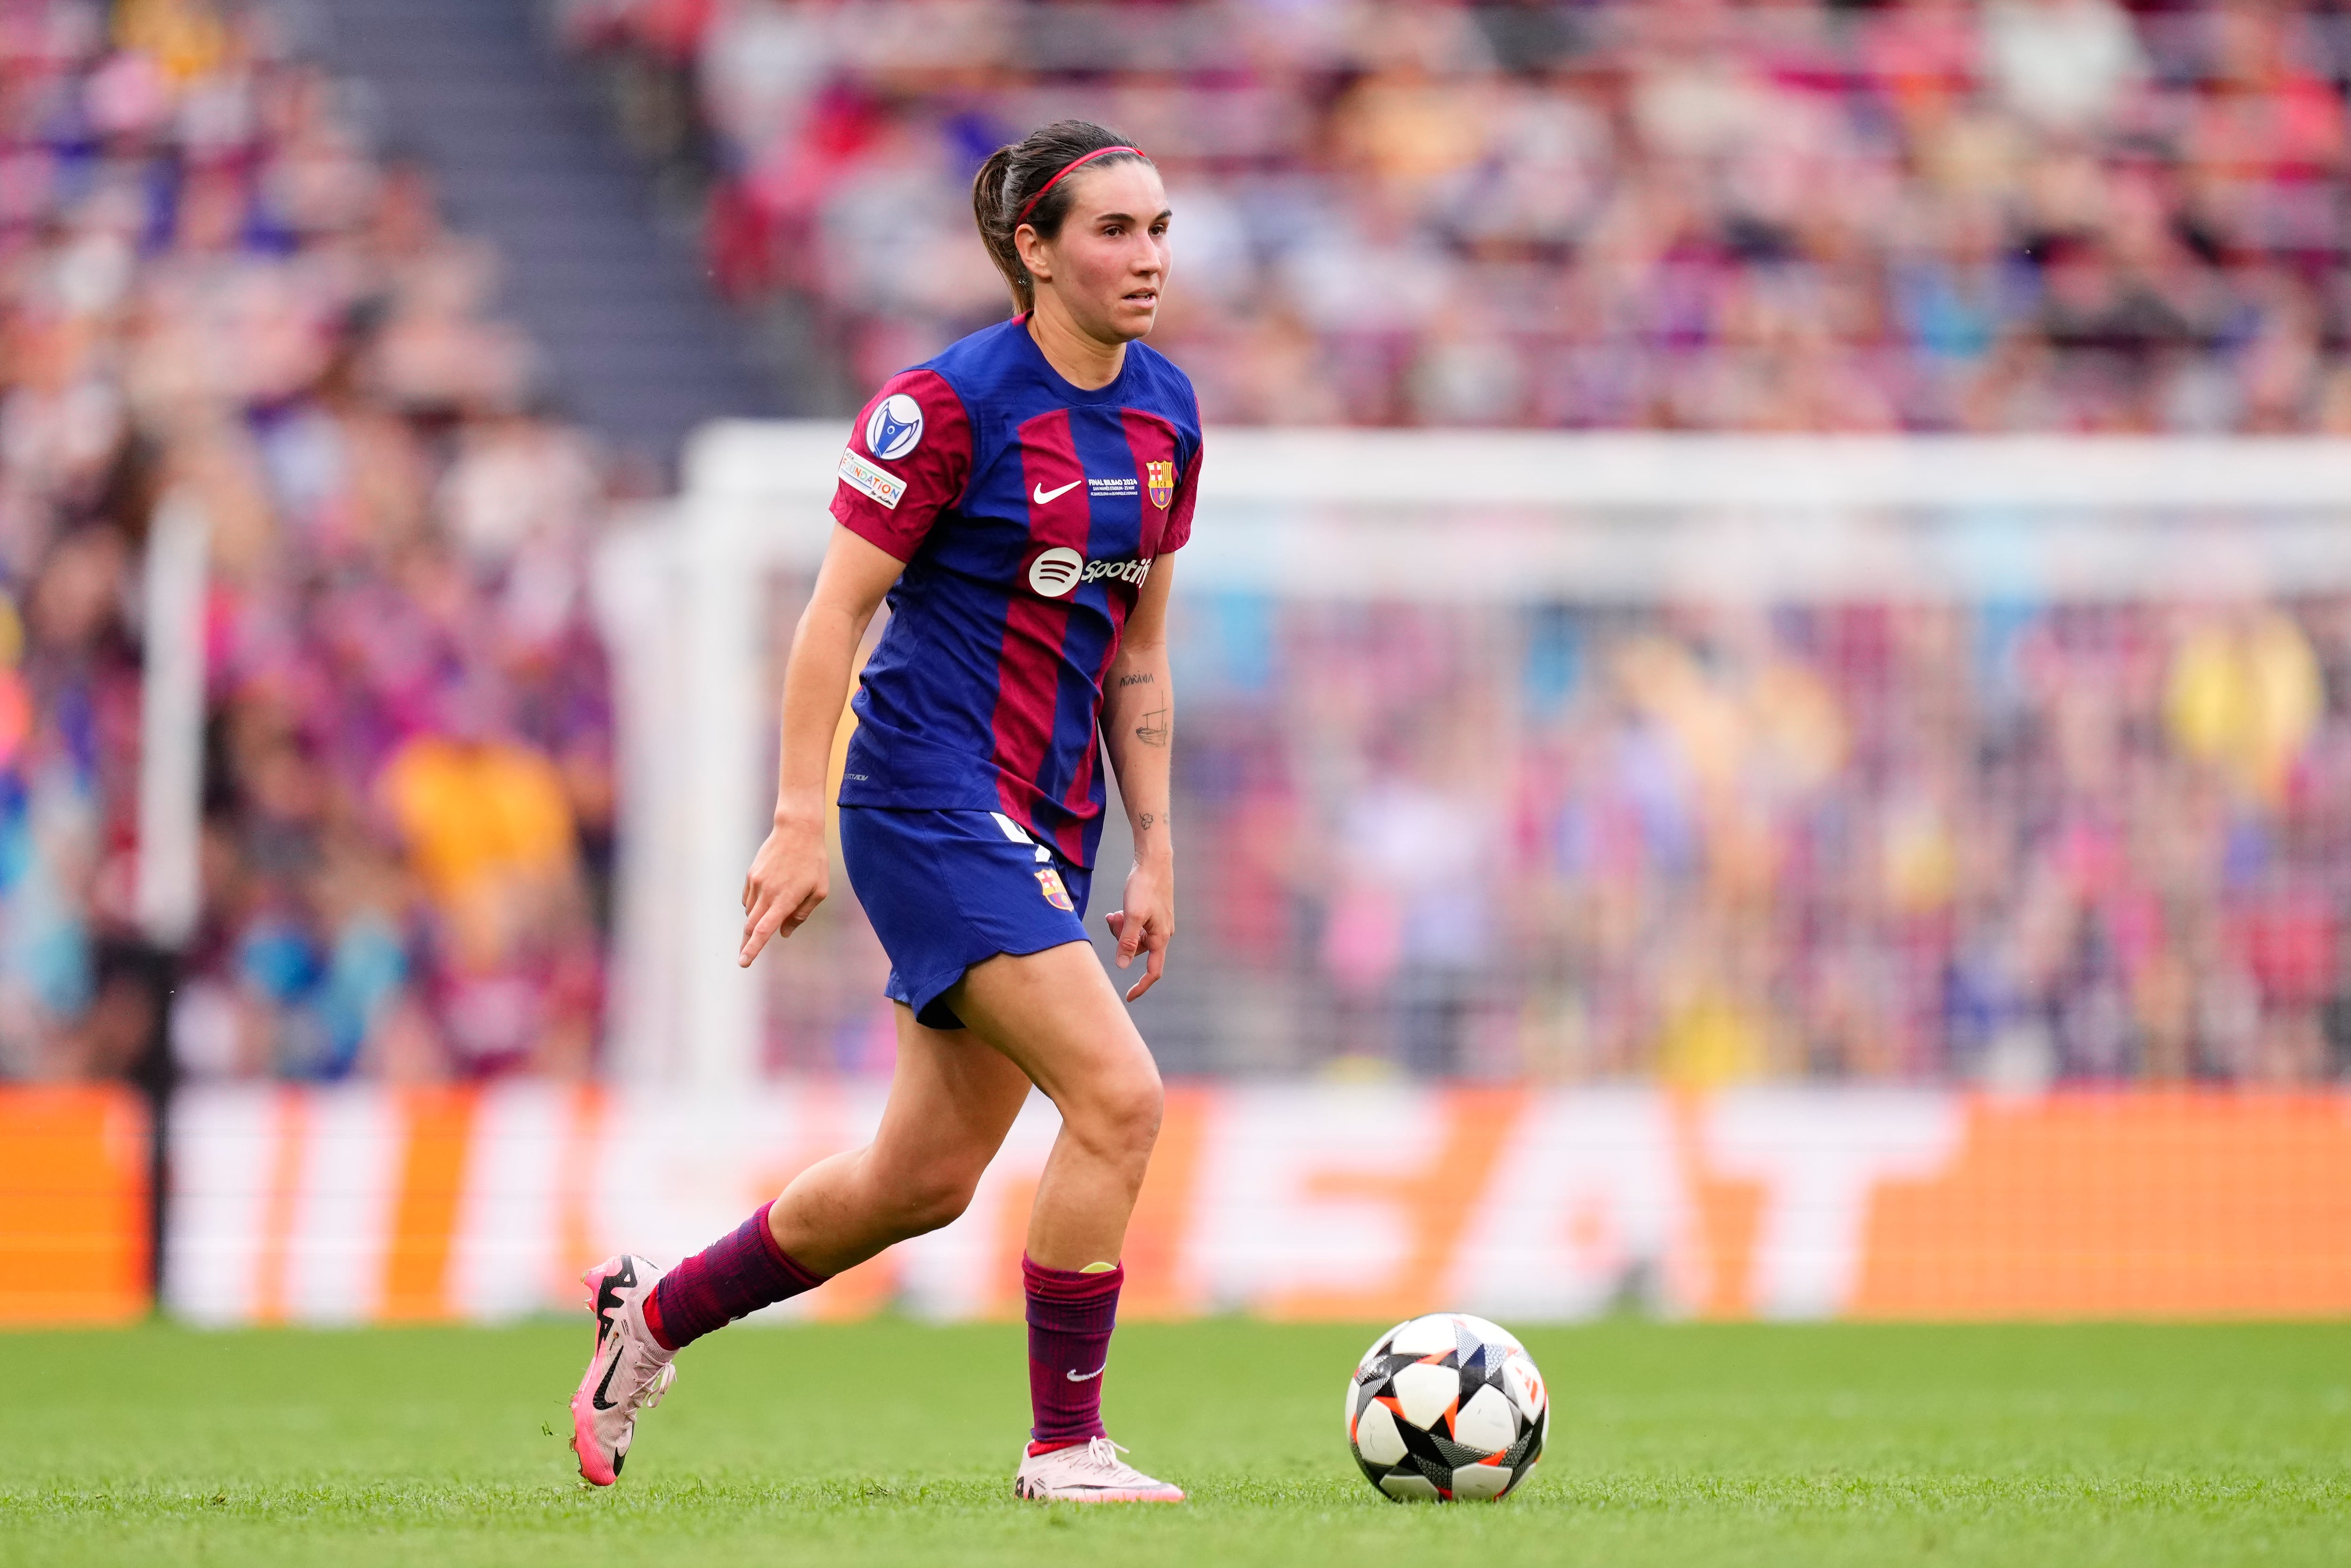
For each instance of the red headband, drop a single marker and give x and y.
(1030, 205)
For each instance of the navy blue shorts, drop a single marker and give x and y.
(947, 889)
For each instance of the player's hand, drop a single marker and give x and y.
(789, 878)
(1145, 923)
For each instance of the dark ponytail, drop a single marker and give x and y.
(1012, 178)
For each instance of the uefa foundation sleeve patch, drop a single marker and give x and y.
(908, 457)
(879, 483)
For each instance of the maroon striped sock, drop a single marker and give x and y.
(1070, 1320)
(738, 1273)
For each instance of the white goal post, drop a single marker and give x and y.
(1507, 517)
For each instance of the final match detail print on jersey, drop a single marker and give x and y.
(1029, 512)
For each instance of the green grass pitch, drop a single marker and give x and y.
(890, 1442)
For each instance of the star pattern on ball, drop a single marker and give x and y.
(1446, 1407)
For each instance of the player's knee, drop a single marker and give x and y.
(911, 1194)
(1123, 1113)
(930, 1198)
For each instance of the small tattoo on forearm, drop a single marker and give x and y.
(1150, 819)
(1153, 730)
(1134, 680)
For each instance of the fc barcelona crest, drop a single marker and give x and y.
(1049, 881)
(1160, 476)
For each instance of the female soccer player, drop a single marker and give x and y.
(1014, 498)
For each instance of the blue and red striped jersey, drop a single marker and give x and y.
(1029, 512)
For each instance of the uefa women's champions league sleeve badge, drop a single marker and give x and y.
(894, 427)
(1050, 882)
(1159, 478)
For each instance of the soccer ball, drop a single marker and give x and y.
(1447, 1408)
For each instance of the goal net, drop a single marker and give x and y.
(1568, 757)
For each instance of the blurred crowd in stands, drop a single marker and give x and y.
(2006, 842)
(216, 292)
(1926, 214)
(2011, 844)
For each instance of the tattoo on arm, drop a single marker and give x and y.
(1150, 820)
(1153, 730)
(1143, 680)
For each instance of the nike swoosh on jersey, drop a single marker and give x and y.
(1042, 495)
(1089, 1376)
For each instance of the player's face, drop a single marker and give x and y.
(1109, 263)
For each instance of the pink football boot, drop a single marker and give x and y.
(1089, 1472)
(630, 1371)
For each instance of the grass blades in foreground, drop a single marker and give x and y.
(890, 1442)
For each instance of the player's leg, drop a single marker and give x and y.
(951, 1102)
(1057, 1015)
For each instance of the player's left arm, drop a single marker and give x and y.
(1138, 724)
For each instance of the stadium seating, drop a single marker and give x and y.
(215, 287)
(2036, 214)
(1992, 842)
(1998, 841)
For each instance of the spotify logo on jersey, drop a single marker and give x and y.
(1055, 571)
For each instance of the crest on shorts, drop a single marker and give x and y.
(1159, 475)
(1056, 895)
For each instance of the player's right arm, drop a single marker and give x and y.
(790, 874)
(888, 497)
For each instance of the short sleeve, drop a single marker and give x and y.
(1179, 512)
(908, 460)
